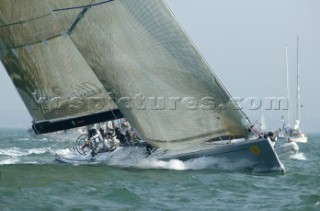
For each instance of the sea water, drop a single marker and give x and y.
(31, 179)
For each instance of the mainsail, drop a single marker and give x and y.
(160, 82)
(65, 56)
(56, 84)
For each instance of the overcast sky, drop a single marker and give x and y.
(244, 42)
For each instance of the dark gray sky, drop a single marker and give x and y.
(244, 42)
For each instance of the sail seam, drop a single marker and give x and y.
(25, 21)
(37, 42)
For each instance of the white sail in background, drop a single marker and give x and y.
(138, 49)
(48, 71)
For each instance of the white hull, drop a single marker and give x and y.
(281, 135)
(299, 139)
(257, 156)
(287, 149)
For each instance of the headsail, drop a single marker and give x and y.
(56, 84)
(161, 83)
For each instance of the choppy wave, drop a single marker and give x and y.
(18, 152)
(11, 160)
(130, 182)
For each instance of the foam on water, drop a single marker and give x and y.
(9, 161)
(298, 156)
(174, 164)
(24, 139)
(137, 159)
(18, 152)
(37, 151)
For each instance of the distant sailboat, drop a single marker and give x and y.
(134, 57)
(295, 134)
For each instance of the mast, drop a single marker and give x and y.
(261, 119)
(288, 88)
(298, 89)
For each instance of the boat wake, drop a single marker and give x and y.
(201, 163)
(131, 157)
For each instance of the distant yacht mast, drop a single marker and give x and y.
(298, 89)
(288, 88)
